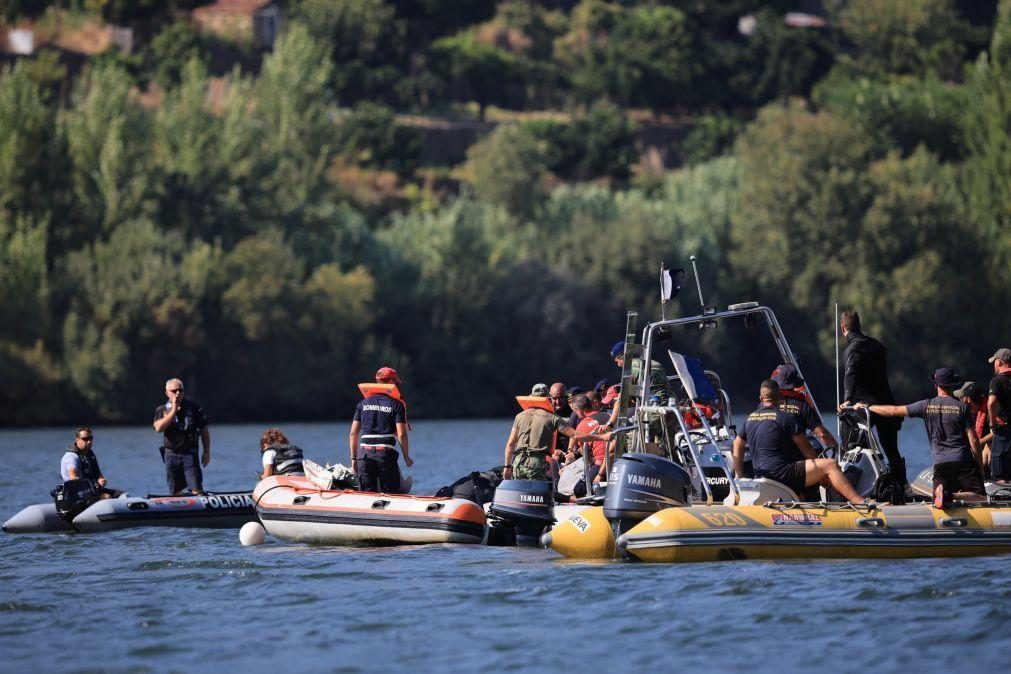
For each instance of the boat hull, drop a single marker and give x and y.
(204, 511)
(294, 509)
(718, 533)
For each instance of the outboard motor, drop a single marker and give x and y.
(640, 485)
(520, 512)
(73, 497)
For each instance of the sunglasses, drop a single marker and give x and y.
(175, 390)
(88, 438)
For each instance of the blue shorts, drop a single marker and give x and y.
(1000, 457)
(183, 470)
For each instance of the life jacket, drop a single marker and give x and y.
(287, 459)
(87, 464)
(692, 419)
(535, 402)
(369, 388)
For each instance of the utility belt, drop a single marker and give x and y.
(184, 452)
(531, 452)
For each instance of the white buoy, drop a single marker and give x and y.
(251, 533)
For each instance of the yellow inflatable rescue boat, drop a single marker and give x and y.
(836, 531)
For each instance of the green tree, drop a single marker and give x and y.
(507, 168)
(371, 136)
(366, 41)
(483, 72)
(169, 52)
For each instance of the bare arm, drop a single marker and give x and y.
(161, 424)
(205, 437)
(402, 437)
(804, 446)
(739, 456)
(72, 472)
(977, 451)
(826, 437)
(568, 432)
(885, 410)
(356, 427)
(267, 471)
(993, 411)
(509, 449)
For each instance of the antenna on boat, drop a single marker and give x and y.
(698, 281)
(838, 402)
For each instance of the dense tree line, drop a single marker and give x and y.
(215, 238)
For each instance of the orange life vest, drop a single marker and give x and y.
(369, 389)
(692, 419)
(535, 402)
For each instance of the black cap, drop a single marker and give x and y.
(946, 378)
(787, 377)
(971, 390)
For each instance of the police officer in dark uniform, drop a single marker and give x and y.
(866, 381)
(184, 426)
(381, 421)
(80, 463)
(780, 450)
(998, 406)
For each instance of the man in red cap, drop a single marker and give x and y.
(381, 421)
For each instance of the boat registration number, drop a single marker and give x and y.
(725, 519)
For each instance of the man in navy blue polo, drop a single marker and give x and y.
(380, 421)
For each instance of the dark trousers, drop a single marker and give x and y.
(183, 470)
(378, 470)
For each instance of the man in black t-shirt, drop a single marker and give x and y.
(184, 425)
(954, 446)
(998, 406)
(381, 420)
(780, 450)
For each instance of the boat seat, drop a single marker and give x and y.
(758, 490)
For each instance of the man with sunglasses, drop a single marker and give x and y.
(184, 425)
(80, 462)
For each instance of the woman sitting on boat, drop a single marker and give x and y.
(278, 455)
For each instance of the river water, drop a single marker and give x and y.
(194, 600)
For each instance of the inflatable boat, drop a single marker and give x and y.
(208, 511)
(826, 530)
(295, 509)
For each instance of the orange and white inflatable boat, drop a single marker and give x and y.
(295, 509)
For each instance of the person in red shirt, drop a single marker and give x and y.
(974, 395)
(591, 423)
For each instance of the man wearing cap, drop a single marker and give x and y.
(951, 430)
(974, 395)
(381, 420)
(539, 391)
(531, 440)
(795, 402)
(998, 407)
(866, 380)
(659, 385)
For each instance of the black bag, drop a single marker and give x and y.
(890, 487)
(476, 487)
(74, 496)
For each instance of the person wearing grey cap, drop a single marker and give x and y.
(974, 395)
(998, 408)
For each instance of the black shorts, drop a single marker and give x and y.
(959, 476)
(793, 475)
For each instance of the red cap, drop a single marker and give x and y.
(612, 394)
(387, 374)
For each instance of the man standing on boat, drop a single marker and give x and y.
(951, 429)
(780, 450)
(533, 438)
(184, 425)
(381, 420)
(998, 407)
(866, 381)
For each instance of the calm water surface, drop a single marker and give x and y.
(194, 600)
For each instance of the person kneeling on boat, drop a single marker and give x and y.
(80, 463)
(278, 455)
(382, 421)
(780, 450)
(533, 438)
(953, 443)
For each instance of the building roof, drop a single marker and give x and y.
(242, 7)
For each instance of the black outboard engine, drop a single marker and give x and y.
(520, 512)
(73, 497)
(640, 485)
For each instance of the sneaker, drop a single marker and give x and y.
(939, 497)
